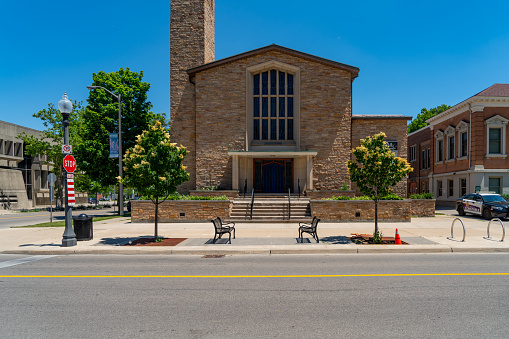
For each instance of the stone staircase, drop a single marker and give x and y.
(271, 208)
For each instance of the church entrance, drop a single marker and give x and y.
(273, 175)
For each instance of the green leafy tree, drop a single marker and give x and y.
(50, 141)
(376, 169)
(101, 118)
(87, 184)
(420, 121)
(154, 167)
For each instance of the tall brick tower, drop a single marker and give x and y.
(191, 45)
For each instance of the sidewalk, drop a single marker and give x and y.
(424, 235)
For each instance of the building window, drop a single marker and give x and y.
(450, 187)
(423, 159)
(439, 188)
(463, 144)
(462, 129)
(496, 136)
(413, 150)
(273, 105)
(494, 185)
(451, 148)
(439, 137)
(463, 186)
(495, 141)
(428, 152)
(450, 132)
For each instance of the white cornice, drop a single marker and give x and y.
(476, 104)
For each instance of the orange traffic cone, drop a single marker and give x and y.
(397, 239)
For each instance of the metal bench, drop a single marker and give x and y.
(223, 228)
(309, 228)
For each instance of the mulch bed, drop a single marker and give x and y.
(367, 239)
(150, 242)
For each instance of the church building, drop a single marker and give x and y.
(273, 119)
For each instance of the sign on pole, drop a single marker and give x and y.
(69, 163)
(70, 192)
(66, 149)
(51, 180)
(114, 145)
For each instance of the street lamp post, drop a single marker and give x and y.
(69, 237)
(120, 185)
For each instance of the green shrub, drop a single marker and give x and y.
(344, 187)
(190, 197)
(422, 196)
(365, 197)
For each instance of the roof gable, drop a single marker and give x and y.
(354, 71)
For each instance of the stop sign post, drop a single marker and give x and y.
(69, 163)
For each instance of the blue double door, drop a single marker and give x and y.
(273, 176)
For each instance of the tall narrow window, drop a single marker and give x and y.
(464, 144)
(451, 148)
(439, 188)
(494, 185)
(428, 164)
(463, 186)
(440, 150)
(273, 105)
(450, 184)
(495, 141)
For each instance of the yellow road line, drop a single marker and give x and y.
(258, 276)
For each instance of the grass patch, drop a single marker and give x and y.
(62, 223)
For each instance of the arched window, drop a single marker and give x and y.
(273, 105)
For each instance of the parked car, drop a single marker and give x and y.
(487, 205)
(129, 203)
(91, 200)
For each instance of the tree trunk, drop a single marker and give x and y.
(157, 210)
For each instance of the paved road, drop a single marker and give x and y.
(32, 218)
(353, 296)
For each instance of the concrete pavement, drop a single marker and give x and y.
(424, 235)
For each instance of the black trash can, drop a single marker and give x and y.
(83, 227)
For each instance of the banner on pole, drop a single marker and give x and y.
(71, 200)
(113, 145)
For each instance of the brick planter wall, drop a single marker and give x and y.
(230, 194)
(317, 195)
(181, 210)
(423, 207)
(361, 210)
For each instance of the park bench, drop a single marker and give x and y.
(309, 228)
(223, 228)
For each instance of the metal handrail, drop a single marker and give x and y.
(503, 229)
(245, 188)
(289, 205)
(464, 232)
(252, 203)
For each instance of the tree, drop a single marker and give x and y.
(154, 167)
(101, 118)
(420, 121)
(376, 169)
(50, 142)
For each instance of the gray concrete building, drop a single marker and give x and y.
(23, 179)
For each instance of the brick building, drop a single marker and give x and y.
(464, 149)
(272, 118)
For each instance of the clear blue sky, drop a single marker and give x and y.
(411, 54)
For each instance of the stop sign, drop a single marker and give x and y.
(69, 163)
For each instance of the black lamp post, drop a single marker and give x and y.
(120, 185)
(69, 238)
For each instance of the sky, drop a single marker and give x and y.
(411, 54)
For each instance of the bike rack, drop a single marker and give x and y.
(503, 229)
(452, 226)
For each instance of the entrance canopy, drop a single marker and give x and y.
(271, 172)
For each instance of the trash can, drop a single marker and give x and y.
(83, 227)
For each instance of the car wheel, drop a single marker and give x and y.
(486, 214)
(461, 211)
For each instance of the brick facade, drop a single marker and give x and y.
(211, 105)
(394, 128)
(476, 170)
